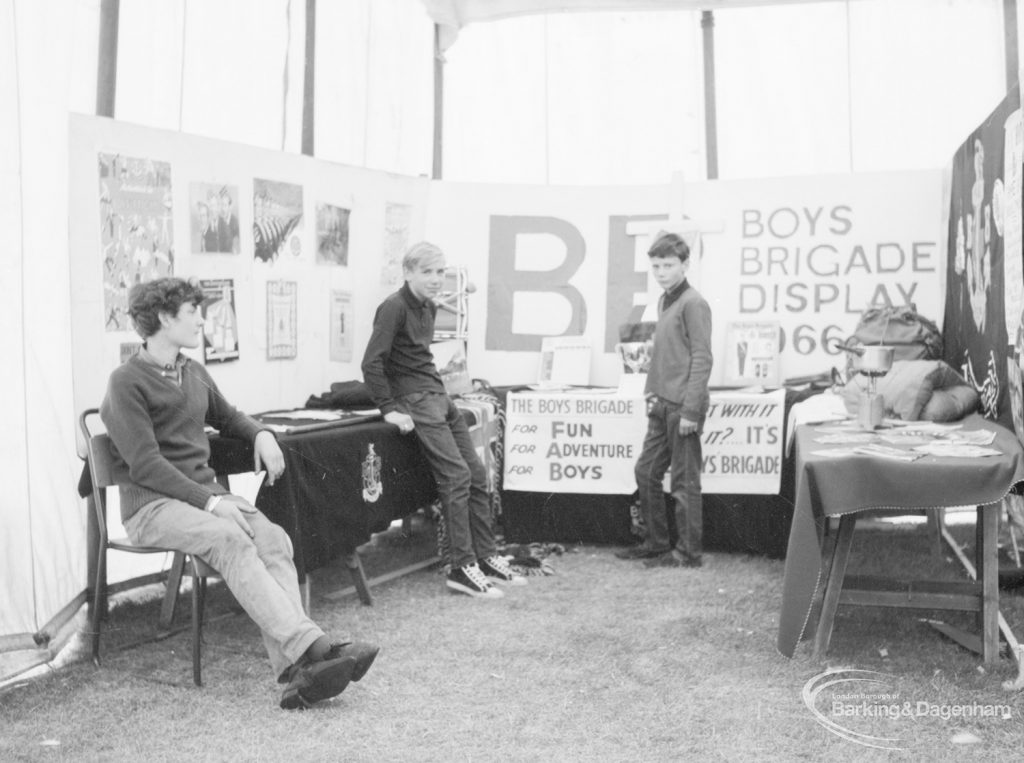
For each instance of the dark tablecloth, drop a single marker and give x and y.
(321, 500)
(832, 486)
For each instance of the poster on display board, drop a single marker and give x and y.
(331, 234)
(277, 220)
(341, 340)
(752, 353)
(220, 320)
(136, 229)
(569, 442)
(282, 317)
(742, 443)
(214, 223)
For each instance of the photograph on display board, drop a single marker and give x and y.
(277, 220)
(974, 331)
(136, 229)
(341, 327)
(397, 219)
(331, 235)
(220, 321)
(213, 218)
(282, 314)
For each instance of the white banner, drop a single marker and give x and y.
(742, 444)
(809, 252)
(588, 442)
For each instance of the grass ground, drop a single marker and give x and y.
(603, 661)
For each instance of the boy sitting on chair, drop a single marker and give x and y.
(155, 410)
(399, 369)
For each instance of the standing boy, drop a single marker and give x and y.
(155, 410)
(677, 398)
(398, 367)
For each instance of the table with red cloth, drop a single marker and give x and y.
(842, 486)
(343, 481)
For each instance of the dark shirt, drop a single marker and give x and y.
(672, 295)
(398, 360)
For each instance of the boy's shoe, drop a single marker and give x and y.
(363, 653)
(310, 682)
(673, 559)
(470, 580)
(642, 551)
(497, 569)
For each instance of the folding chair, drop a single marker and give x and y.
(105, 473)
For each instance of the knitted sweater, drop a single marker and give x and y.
(157, 429)
(681, 359)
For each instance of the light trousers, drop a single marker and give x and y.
(259, 571)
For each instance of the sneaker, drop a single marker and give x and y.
(673, 559)
(470, 580)
(363, 653)
(497, 569)
(310, 682)
(640, 552)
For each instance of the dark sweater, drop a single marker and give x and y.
(398, 360)
(157, 428)
(681, 360)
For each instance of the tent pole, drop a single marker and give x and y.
(1011, 46)
(438, 103)
(707, 24)
(309, 74)
(106, 74)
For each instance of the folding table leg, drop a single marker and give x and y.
(834, 584)
(355, 568)
(986, 560)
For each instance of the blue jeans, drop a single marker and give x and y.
(461, 477)
(259, 572)
(664, 446)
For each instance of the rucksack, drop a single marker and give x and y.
(910, 334)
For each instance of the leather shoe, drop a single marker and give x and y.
(310, 682)
(672, 559)
(639, 552)
(361, 652)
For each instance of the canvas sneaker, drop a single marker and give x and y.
(470, 580)
(495, 568)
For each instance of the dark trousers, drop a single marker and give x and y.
(461, 477)
(663, 447)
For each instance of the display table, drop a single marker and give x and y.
(845, 485)
(341, 483)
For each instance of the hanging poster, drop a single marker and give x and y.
(975, 327)
(331, 235)
(341, 327)
(220, 321)
(397, 218)
(282, 312)
(136, 230)
(277, 220)
(214, 223)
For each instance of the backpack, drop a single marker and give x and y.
(910, 334)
